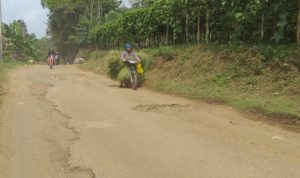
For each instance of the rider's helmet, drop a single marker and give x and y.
(128, 47)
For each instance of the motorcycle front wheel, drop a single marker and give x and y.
(134, 81)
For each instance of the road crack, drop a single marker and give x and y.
(64, 138)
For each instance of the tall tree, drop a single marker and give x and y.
(198, 25)
(298, 29)
(70, 21)
(207, 26)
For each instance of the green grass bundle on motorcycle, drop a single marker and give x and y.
(114, 68)
(124, 75)
(117, 70)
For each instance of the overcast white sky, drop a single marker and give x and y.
(30, 11)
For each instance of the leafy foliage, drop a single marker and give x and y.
(104, 24)
(167, 52)
(71, 21)
(18, 44)
(154, 22)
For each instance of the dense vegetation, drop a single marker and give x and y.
(197, 21)
(71, 21)
(102, 23)
(19, 45)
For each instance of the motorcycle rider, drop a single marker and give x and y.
(129, 53)
(51, 53)
(126, 55)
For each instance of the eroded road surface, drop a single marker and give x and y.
(66, 123)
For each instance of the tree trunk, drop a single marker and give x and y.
(298, 29)
(198, 26)
(207, 27)
(167, 34)
(262, 30)
(187, 28)
(99, 13)
(92, 10)
(174, 35)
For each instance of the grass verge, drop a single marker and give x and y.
(4, 69)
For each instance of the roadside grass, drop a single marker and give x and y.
(232, 97)
(5, 67)
(97, 61)
(239, 77)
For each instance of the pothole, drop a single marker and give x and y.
(164, 108)
(56, 77)
(38, 89)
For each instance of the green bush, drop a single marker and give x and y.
(221, 79)
(280, 55)
(146, 61)
(168, 53)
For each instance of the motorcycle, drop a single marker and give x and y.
(133, 73)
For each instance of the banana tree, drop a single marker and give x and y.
(18, 43)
